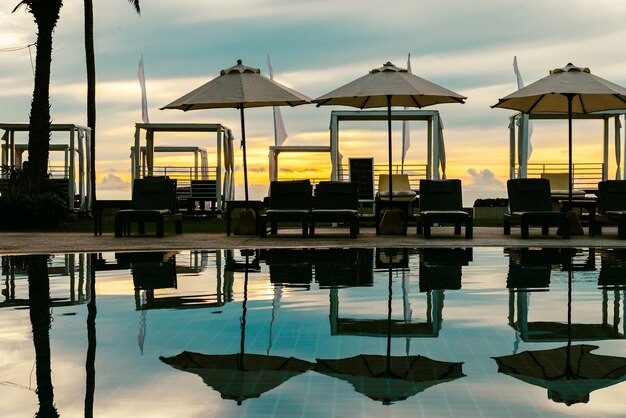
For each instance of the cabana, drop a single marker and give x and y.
(76, 165)
(585, 175)
(435, 145)
(142, 157)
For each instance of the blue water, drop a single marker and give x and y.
(427, 322)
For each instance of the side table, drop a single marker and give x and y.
(589, 205)
(254, 205)
(98, 206)
(403, 206)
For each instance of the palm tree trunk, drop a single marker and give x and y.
(90, 58)
(46, 14)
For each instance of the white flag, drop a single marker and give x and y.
(280, 133)
(406, 132)
(144, 98)
(520, 84)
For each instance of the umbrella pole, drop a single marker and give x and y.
(568, 356)
(570, 97)
(244, 310)
(390, 150)
(243, 144)
(388, 359)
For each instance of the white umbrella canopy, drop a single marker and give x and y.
(570, 89)
(389, 86)
(405, 89)
(239, 87)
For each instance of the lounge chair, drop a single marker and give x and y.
(401, 199)
(289, 201)
(202, 191)
(530, 204)
(559, 186)
(336, 202)
(612, 206)
(441, 202)
(154, 200)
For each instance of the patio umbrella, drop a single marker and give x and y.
(389, 86)
(240, 376)
(570, 89)
(239, 87)
(388, 378)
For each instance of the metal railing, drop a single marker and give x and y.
(183, 176)
(585, 176)
(416, 172)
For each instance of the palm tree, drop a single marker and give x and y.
(46, 16)
(91, 86)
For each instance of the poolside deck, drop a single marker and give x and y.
(58, 243)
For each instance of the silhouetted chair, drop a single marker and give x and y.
(289, 201)
(442, 268)
(612, 269)
(289, 267)
(202, 191)
(530, 203)
(154, 200)
(398, 201)
(559, 186)
(612, 207)
(336, 202)
(343, 267)
(530, 268)
(441, 202)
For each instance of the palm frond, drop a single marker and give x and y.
(135, 4)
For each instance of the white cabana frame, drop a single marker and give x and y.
(199, 171)
(435, 146)
(77, 161)
(519, 141)
(225, 179)
(275, 151)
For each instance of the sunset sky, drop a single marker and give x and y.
(316, 46)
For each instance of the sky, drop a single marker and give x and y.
(315, 47)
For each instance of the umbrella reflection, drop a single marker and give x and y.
(388, 378)
(530, 271)
(571, 372)
(240, 376)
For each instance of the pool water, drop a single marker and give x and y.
(420, 332)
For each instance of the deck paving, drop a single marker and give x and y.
(59, 243)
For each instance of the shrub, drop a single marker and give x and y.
(491, 203)
(32, 211)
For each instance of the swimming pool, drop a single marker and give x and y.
(459, 332)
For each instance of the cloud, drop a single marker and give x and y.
(113, 182)
(483, 180)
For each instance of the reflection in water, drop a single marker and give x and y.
(388, 378)
(70, 266)
(530, 270)
(39, 308)
(351, 332)
(569, 373)
(242, 375)
(90, 361)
